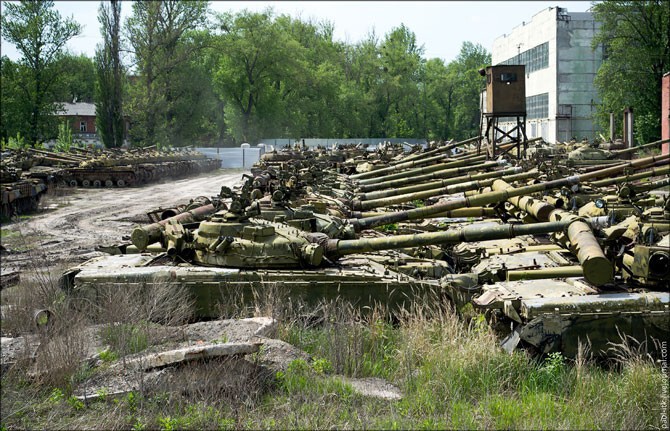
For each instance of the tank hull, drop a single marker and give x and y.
(356, 279)
(559, 315)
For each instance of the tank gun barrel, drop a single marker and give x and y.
(338, 248)
(442, 149)
(639, 147)
(633, 189)
(637, 176)
(143, 236)
(449, 189)
(597, 267)
(461, 212)
(501, 147)
(400, 167)
(442, 170)
(497, 196)
(393, 191)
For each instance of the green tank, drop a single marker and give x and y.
(20, 192)
(536, 298)
(236, 250)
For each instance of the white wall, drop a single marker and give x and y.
(568, 79)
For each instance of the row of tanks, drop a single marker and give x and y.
(553, 261)
(27, 174)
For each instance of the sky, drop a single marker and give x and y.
(440, 27)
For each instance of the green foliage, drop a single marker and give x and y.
(17, 143)
(110, 77)
(39, 33)
(76, 403)
(159, 35)
(167, 423)
(322, 365)
(391, 227)
(56, 395)
(108, 355)
(125, 338)
(64, 139)
(76, 80)
(636, 48)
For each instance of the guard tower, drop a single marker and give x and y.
(505, 98)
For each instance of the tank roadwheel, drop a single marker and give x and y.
(86, 183)
(62, 183)
(109, 183)
(97, 183)
(73, 183)
(120, 183)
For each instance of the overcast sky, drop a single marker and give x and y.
(440, 26)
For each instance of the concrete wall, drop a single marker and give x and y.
(578, 64)
(234, 158)
(568, 79)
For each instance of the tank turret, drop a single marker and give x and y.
(227, 240)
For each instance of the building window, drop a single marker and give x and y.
(537, 106)
(536, 58)
(82, 126)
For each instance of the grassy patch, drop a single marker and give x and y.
(125, 339)
(452, 375)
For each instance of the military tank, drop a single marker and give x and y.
(19, 195)
(535, 298)
(19, 192)
(233, 251)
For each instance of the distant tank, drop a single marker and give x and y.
(122, 168)
(19, 193)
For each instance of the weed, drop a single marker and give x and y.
(108, 355)
(125, 339)
(391, 227)
(102, 393)
(75, 403)
(322, 365)
(56, 395)
(167, 423)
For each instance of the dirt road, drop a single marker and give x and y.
(73, 224)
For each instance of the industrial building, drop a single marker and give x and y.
(555, 46)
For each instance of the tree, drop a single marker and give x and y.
(468, 84)
(14, 109)
(257, 65)
(39, 34)
(401, 63)
(157, 31)
(635, 36)
(109, 89)
(77, 79)
(440, 94)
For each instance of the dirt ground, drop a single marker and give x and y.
(74, 222)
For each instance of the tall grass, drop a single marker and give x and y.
(452, 373)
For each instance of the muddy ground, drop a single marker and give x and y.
(73, 222)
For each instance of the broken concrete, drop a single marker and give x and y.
(191, 353)
(374, 387)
